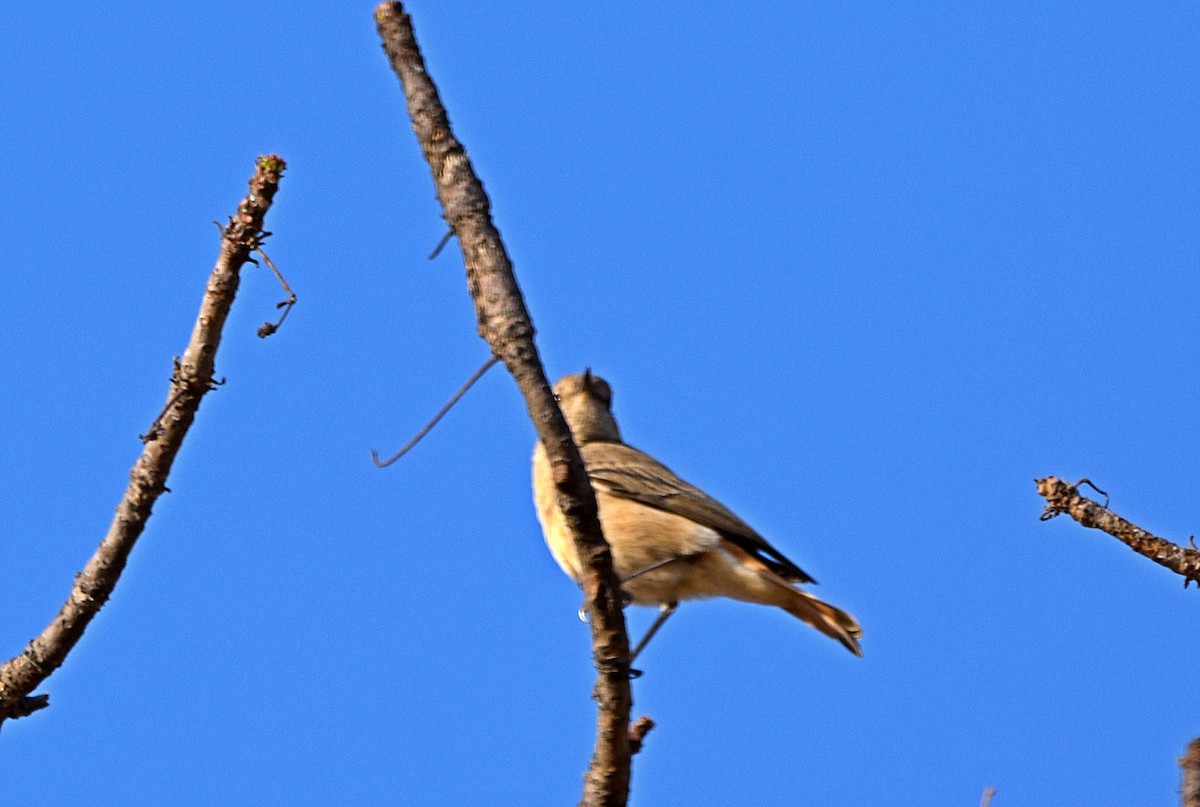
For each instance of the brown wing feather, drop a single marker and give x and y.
(623, 471)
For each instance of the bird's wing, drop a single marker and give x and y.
(628, 473)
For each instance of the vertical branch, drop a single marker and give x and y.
(1189, 764)
(505, 323)
(192, 378)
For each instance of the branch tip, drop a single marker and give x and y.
(1063, 497)
(271, 164)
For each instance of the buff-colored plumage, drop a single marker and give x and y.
(650, 516)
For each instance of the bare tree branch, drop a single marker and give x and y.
(504, 322)
(192, 378)
(1063, 497)
(1189, 763)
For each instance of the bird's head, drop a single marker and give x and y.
(586, 403)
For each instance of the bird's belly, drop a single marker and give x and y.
(711, 573)
(641, 538)
(660, 556)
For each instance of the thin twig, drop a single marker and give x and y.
(154, 431)
(191, 379)
(269, 328)
(988, 793)
(441, 413)
(1090, 484)
(1063, 497)
(505, 323)
(442, 244)
(179, 383)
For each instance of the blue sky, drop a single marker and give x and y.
(861, 270)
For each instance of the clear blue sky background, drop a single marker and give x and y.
(861, 270)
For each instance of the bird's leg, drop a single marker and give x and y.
(582, 613)
(664, 613)
(626, 599)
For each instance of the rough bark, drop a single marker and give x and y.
(191, 379)
(1063, 497)
(1189, 764)
(505, 324)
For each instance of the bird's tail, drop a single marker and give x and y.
(833, 622)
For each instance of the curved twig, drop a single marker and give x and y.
(487, 365)
(268, 328)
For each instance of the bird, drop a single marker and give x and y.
(670, 540)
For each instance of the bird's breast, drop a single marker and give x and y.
(554, 523)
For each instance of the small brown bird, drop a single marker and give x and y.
(670, 540)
